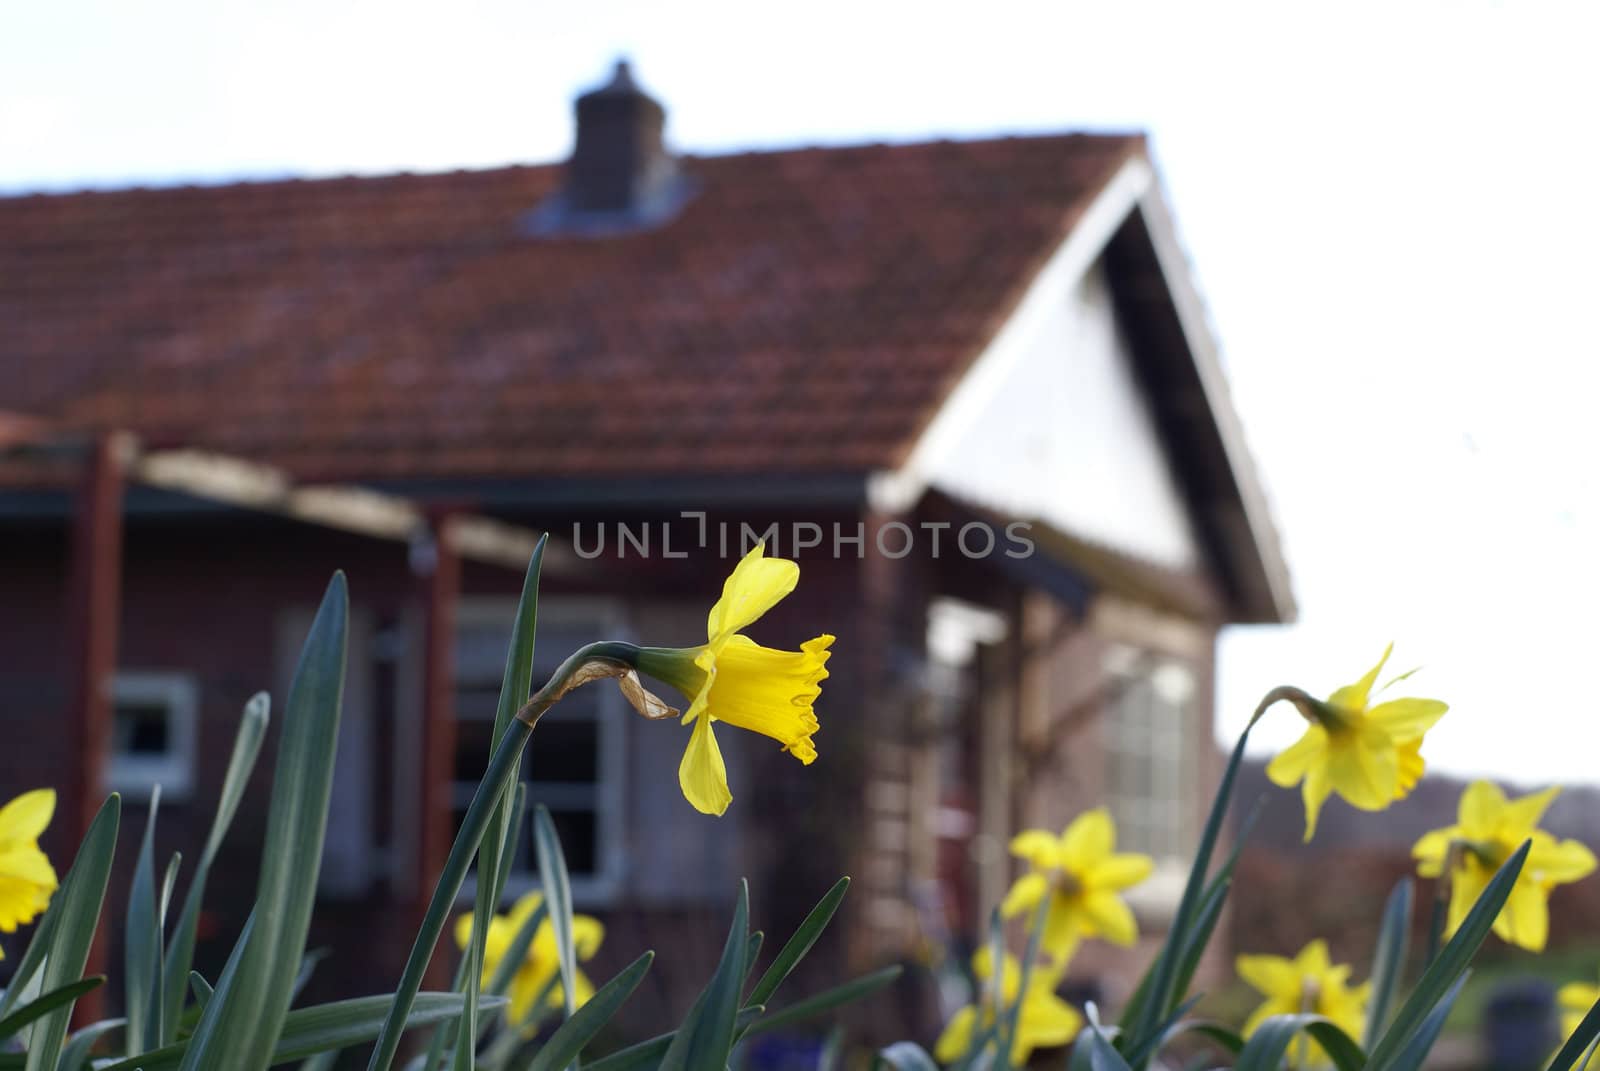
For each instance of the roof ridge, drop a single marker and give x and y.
(265, 182)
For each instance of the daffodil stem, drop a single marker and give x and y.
(1311, 708)
(569, 675)
(503, 766)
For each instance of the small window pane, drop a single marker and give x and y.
(577, 832)
(141, 729)
(1148, 731)
(566, 750)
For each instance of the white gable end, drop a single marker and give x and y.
(1065, 436)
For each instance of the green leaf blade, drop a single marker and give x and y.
(142, 943)
(240, 1026)
(76, 910)
(179, 957)
(568, 1041)
(1389, 958)
(706, 1037)
(324, 1028)
(795, 949)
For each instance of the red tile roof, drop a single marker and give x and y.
(806, 312)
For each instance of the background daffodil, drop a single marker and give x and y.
(539, 972)
(1081, 874)
(1307, 984)
(27, 879)
(1575, 999)
(1488, 829)
(1370, 755)
(732, 678)
(1043, 1021)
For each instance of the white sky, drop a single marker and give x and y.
(1393, 211)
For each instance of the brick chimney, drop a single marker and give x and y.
(620, 165)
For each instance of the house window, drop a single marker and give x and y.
(1150, 754)
(153, 734)
(573, 763)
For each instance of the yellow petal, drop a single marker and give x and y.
(1521, 816)
(1045, 1021)
(1364, 768)
(25, 818)
(524, 908)
(1411, 768)
(1270, 975)
(463, 929)
(1313, 959)
(1088, 840)
(1432, 849)
(1355, 696)
(1479, 811)
(1553, 862)
(1039, 847)
(702, 774)
(1120, 871)
(1525, 920)
(587, 934)
(1314, 791)
(957, 1036)
(582, 991)
(1063, 925)
(1578, 997)
(1466, 885)
(1111, 917)
(526, 985)
(1024, 895)
(756, 585)
(1406, 719)
(1291, 764)
(26, 863)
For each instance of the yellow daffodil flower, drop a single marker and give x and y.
(540, 969)
(1488, 829)
(1309, 984)
(733, 679)
(1081, 873)
(1043, 1021)
(1575, 999)
(1370, 755)
(27, 879)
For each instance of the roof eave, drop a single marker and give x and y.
(1177, 360)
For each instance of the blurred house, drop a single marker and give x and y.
(969, 385)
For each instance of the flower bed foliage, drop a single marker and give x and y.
(521, 1001)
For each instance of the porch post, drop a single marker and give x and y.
(93, 618)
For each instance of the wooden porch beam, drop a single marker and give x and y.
(93, 620)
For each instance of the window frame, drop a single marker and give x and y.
(1127, 666)
(136, 776)
(605, 615)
